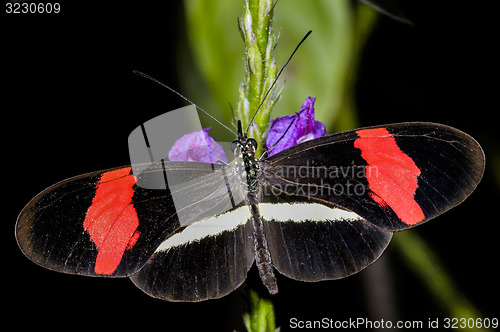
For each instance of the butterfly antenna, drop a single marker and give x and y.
(276, 79)
(180, 95)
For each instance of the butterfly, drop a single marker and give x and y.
(323, 209)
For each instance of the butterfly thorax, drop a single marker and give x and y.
(247, 165)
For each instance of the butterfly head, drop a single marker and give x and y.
(243, 145)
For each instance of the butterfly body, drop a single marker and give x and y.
(249, 167)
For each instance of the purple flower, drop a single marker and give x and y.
(303, 129)
(197, 146)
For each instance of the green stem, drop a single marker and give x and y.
(260, 314)
(261, 70)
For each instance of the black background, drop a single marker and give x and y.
(69, 101)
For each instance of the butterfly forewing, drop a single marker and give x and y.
(395, 176)
(104, 223)
(50, 229)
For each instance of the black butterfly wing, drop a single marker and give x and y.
(105, 223)
(369, 183)
(395, 176)
(50, 229)
(208, 258)
(318, 241)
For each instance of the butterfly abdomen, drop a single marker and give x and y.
(262, 255)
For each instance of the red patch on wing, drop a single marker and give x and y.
(111, 220)
(391, 174)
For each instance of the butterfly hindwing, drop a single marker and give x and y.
(312, 241)
(204, 260)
